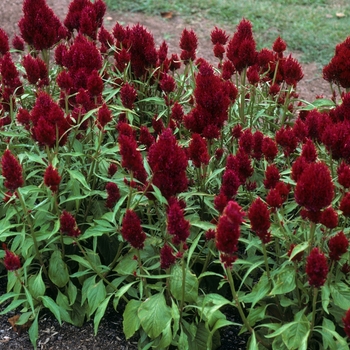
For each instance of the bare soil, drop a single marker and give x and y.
(51, 335)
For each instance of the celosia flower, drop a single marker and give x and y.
(298, 167)
(128, 95)
(218, 36)
(279, 46)
(337, 70)
(253, 75)
(52, 178)
(309, 151)
(168, 162)
(198, 151)
(132, 231)
(177, 226)
(9, 78)
(113, 194)
(246, 141)
(146, 138)
(228, 69)
(291, 70)
(329, 218)
(241, 164)
(230, 184)
(269, 149)
(177, 113)
(259, 217)
(162, 52)
(286, 139)
(131, 157)
(345, 204)
(68, 225)
(346, 321)
(4, 42)
(85, 17)
(104, 116)
(39, 26)
(167, 258)
(210, 234)
(12, 261)
(94, 83)
(316, 268)
(343, 172)
(188, 45)
(143, 53)
(36, 70)
(82, 56)
(272, 176)
(112, 169)
(228, 232)
(23, 117)
(48, 121)
(11, 171)
(338, 245)
(18, 43)
(212, 102)
(220, 202)
(241, 48)
(167, 83)
(314, 189)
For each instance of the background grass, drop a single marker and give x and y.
(309, 26)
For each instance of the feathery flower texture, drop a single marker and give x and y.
(316, 268)
(11, 171)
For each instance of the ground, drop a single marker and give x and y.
(110, 336)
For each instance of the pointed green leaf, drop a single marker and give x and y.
(284, 282)
(58, 271)
(100, 313)
(34, 331)
(154, 315)
(96, 294)
(36, 285)
(52, 306)
(177, 282)
(131, 321)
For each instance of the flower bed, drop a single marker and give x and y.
(175, 185)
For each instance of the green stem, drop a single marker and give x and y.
(266, 262)
(239, 307)
(314, 299)
(98, 273)
(32, 233)
(312, 236)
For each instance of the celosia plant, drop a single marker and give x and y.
(188, 193)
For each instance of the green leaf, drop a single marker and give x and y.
(298, 248)
(127, 265)
(191, 284)
(175, 314)
(36, 285)
(166, 338)
(72, 292)
(154, 315)
(58, 271)
(62, 302)
(34, 331)
(100, 313)
(95, 296)
(77, 175)
(52, 306)
(340, 293)
(131, 321)
(325, 293)
(252, 344)
(284, 282)
(294, 334)
(259, 291)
